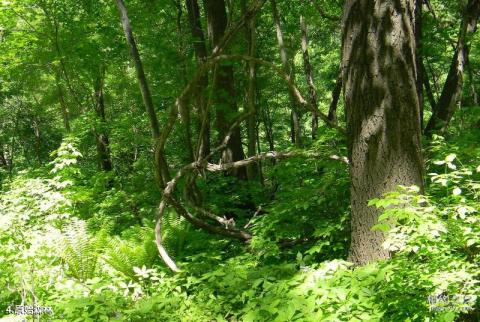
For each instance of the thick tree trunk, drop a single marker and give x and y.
(201, 55)
(296, 131)
(383, 117)
(452, 89)
(161, 166)
(307, 67)
(100, 131)
(224, 101)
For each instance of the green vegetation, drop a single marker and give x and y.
(195, 161)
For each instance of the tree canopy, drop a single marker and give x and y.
(252, 160)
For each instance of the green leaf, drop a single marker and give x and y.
(381, 227)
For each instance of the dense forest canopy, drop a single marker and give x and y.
(248, 160)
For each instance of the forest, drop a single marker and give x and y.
(239, 160)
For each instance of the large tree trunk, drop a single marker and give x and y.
(452, 89)
(307, 67)
(224, 101)
(296, 131)
(100, 131)
(162, 171)
(201, 55)
(383, 117)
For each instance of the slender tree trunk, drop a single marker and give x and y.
(185, 110)
(268, 124)
(3, 160)
(201, 55)
(337, 90)
(224, 96)
(307, 67)
(428, 88)
(253, 169)
(38, 139)
(63, 104)
(142, 79)
(418, 51)
(191, 191)
(452, 89)
(296, 132)
(473, 91)
(56, 44)
(383, 116)
(161, 166)
(100, 131)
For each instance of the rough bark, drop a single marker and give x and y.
(224, 91)
(200, 48)
(307, 67)
(452, 89)
(296, 132)
(382, 110)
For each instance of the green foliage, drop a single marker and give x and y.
(81, 240)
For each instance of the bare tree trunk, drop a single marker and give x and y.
(38, 139)
(307, 67)
(337, 90)
(452, 89)
(383, 116)
(296, 132)
(191, 190)
(224, 96)
(428, 88)
(3, 160)
(185, 111)
(161, 166)
(268, 124)
(63, 104)
(201, 55)
(253, 170)
(473, 91)
(418, 51)
(100, 131)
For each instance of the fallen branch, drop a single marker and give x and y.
(268, 155)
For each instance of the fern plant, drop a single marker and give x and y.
(125, 254)
(80, 251)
